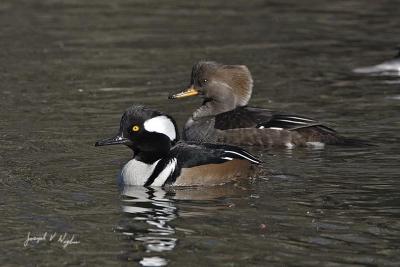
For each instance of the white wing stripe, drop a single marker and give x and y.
(300, 119)
(294, 122)
(244, 156)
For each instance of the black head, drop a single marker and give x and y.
(230, 85)
(146, 131)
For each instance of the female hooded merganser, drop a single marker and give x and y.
(391, 66)
(225, 117)
(159, 159)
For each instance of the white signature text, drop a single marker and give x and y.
(64, 239)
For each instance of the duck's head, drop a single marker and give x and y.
(146, 131)
(223, 87)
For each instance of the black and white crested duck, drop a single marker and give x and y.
(160, 159)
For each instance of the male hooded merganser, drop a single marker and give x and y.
(391, 66)
(225, 117)
(159, 159)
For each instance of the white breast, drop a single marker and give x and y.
(136, 172)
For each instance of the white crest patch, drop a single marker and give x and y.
(161, 124)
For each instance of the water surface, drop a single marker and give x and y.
(70, 68)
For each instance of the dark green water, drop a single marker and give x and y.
(68, 69)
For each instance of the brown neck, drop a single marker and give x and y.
(214, 107)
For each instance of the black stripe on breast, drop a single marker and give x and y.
(157, 170)
(172, 178)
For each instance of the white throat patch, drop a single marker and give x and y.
(161, 124)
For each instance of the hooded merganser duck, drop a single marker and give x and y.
(225, 117)
(159, 159)
(391, 66)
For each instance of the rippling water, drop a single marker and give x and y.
(70, 68)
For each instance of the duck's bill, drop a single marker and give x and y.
(191, 91)
(116, 140)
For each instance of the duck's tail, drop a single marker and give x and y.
(345, 141)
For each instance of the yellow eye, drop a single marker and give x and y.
(135, 128)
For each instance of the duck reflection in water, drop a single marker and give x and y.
(149, 213)
(152, 207)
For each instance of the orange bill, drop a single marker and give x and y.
(191, 91)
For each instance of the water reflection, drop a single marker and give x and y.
(150, 210)
(153, 261)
